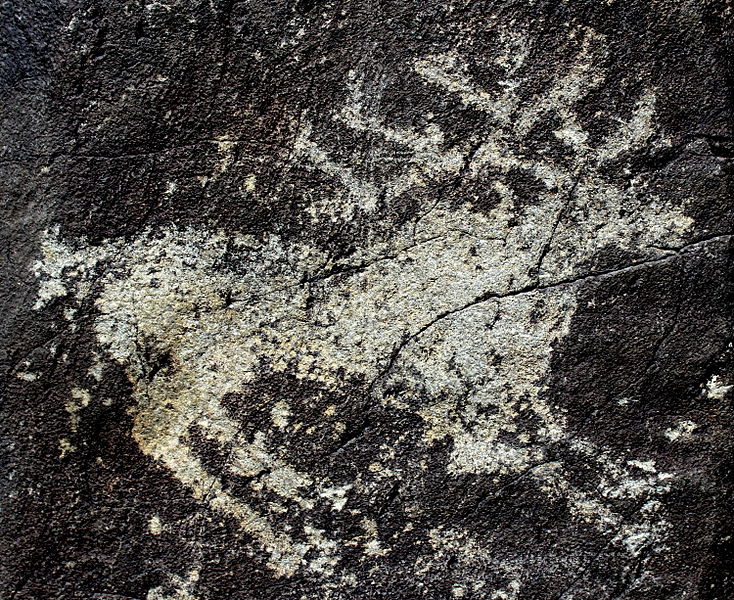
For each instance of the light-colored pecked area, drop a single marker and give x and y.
(428, 306)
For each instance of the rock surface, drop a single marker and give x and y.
(353, 300)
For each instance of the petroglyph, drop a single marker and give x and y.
(451, 319)
(178, 588)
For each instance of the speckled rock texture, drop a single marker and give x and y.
(366, 300)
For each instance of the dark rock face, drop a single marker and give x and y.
(347, 300)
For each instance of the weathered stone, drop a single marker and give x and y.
(346, 300)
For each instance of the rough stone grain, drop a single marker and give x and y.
(341, 300)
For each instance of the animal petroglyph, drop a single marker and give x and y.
(451, 320)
